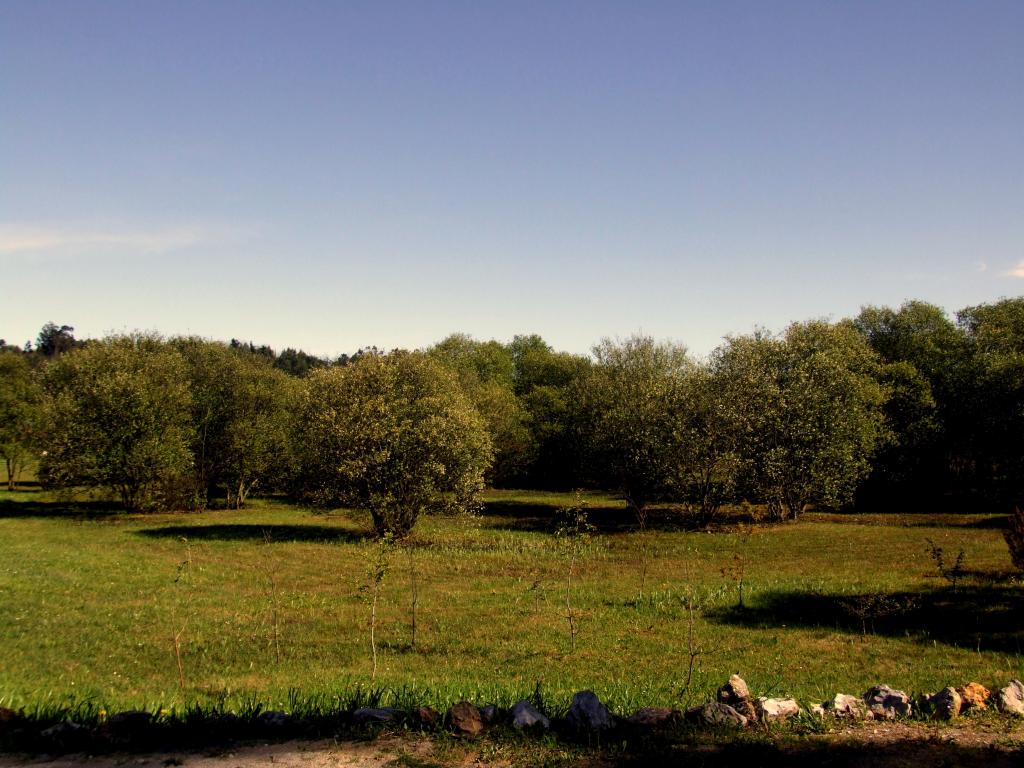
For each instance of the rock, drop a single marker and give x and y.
(525, 717)
(819, 710)
(9, 720)
(465, 719)
(427, 717)
(1011, 698)
(128, 726)
(776, 709)
(587, 713)
(945, 704)
(846, 706)
(489, 714)
(974, 696)
(66, 735)
(716, 715)
(654, 717)
(736, 694)
(272, 719)
(369, 715)
(886, 703)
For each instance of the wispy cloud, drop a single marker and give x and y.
(981, 266)
(1017, 271)
(72, 240)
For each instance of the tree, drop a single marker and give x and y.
(240, 412)
(116, 416)
(54, 340)
(995, 333)
(810, 408)
(930, 372)
(485, 371)
(706, 443)
(393, 434)
(19, 402)
(626, 404)
(543, 381)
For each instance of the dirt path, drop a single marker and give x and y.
(385, 751)
(965, 744)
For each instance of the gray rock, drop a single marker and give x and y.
(587, 713)
(776, 709)
(885, 703)
(128, 725)
(846, 706)
(369, 715)
(1011, 698)
(465, 719)
(716, 715)
(736, 694)
(654, 717)
(525, 717)
(945, 704)
(66, 734)
(272, 719)
(489, 714)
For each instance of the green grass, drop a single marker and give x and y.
(90, 602)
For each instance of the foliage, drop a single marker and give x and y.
(810, 406)
(485, 372)
(55, 340)
(1014, 536)
(706, 442)
(116, 416)
(929, 368)
(626, 405)
(995, 333)
(392, 434)
(240, 416)
(19, 403)
(544, 381)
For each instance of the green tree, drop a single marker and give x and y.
(706, 443)
(116, 416)
(393, 434)
(19, 403)
(930, 372)
(810, 405)
(485, 371)
(240, 418)
(627, 404)
(543, 381)
(55, 340)
(995, 333)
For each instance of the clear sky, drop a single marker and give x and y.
(330, 175)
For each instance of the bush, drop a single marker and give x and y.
(391, 434)
(1014, 535)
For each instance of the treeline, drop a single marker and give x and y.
(892, 407)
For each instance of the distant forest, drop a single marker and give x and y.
(897, 408)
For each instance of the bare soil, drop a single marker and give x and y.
(968, 743)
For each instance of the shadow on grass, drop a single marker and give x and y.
(540, 518)
(252, 532)
(982, 618)
(828, 751)
(78, 510)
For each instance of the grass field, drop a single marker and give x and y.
(269, 602)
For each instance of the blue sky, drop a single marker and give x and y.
(337, 174)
